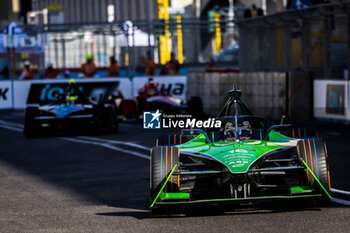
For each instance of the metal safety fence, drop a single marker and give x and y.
(193, 41)
(315, 40)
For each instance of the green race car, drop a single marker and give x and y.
(243, 161)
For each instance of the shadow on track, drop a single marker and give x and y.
(102, 176)
(230, 210)
(98, 175)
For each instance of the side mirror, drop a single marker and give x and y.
(276, 127)
(195, 132)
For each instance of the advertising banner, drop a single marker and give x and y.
(174, 85)
(335, 99)
(5, 95)
(41, 93)
(44, 91)
(331, 99)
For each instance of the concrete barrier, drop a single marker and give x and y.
(176, 85)
(263, 91)
(300, 96)
(331, 100)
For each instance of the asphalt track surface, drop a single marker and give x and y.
(101, 184)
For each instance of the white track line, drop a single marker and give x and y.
(137, 154)
(11, 124)
(340, 191)
(11, 128)
(102, 142)
(131, 144)
(7, 123)
(340, 201)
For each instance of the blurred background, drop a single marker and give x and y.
(62, 32)
(290, 59)
(288, 56)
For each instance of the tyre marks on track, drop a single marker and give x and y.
(110, 144)
(106, 143)
(126, 143)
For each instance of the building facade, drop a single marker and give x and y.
(97, 11)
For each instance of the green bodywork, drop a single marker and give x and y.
(237, 156)
(248, 199)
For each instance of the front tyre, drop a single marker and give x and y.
(163, 160)
(314, 152)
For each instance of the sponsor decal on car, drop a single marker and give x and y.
(44, 93)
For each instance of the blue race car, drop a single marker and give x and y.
(71, 113)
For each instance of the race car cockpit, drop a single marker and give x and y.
(249, 127)
(238, 120)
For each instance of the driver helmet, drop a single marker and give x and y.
(72, 81)
(71, 99)
(246, 124)
(229, 125)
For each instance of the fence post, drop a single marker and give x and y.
(287, 48)
(133, 52)
(348, 26)
(63, 51)
(114, 45)
(243, 42)
(327, 44)
(105, 53)
(306, 45)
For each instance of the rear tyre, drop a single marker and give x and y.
(314, 153)
(30, 127)
(163, 159)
